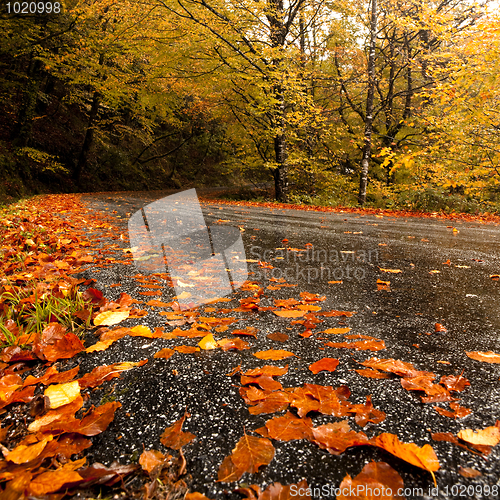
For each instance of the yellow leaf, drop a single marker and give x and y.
(62, 394)
(109, 318)
(208, 342)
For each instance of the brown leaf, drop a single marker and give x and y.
(195, 496)
(370, 373)
(26, 453)
(272, 402)
(94, 423)
(227, 344)
(165, 353)
(373, 483)
(367, 413)
(455, 383)
(64, 348)
(337, 437)
(279, 337)
(249, 330)
(249, 454)
(325, 364)
(457, 411)
(486, 357)
(174, 437)
(101, 374)
(52, 376)
(289, 427)
(468, 472)
(274, 354)
(372, 344)
(395, 366)
(149, 460)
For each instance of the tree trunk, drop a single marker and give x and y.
(281, 172)
(89, 138)
(367, 146)
(26, 114)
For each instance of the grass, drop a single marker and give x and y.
(27, 311)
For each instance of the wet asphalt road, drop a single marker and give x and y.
(352, 248)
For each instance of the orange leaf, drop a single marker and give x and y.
(165, 353)
(186, 349)
(424, 457)
(486, 357)
(370, 373)
(274, 354)
(26, 453)
(174, 437)
(151, 459)
(249, 454)
(63, 348)
(337, 437)
(289, 427)
(376, 477)
(336, 331)
(325, 364)
(52, 481)
(289, 313)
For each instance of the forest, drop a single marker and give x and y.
(382, 103)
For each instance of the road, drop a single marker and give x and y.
(354, 249)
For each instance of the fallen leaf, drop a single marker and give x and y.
(289, 427)
(457, 411)
(227, 344)
(325, 364)
(208, 342)
(174, 437)
(249, 454)
(274, 354)
(487, 437)
(279, 337)
(149, 460)
(486, 357)
(62, 394)
(370, 373)
(336, 331)
(377, 481)
(424, 457)
(337, 437)
(109, 318)
(26, 453)
(291, 313)
(468, 472)
(164, 353)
